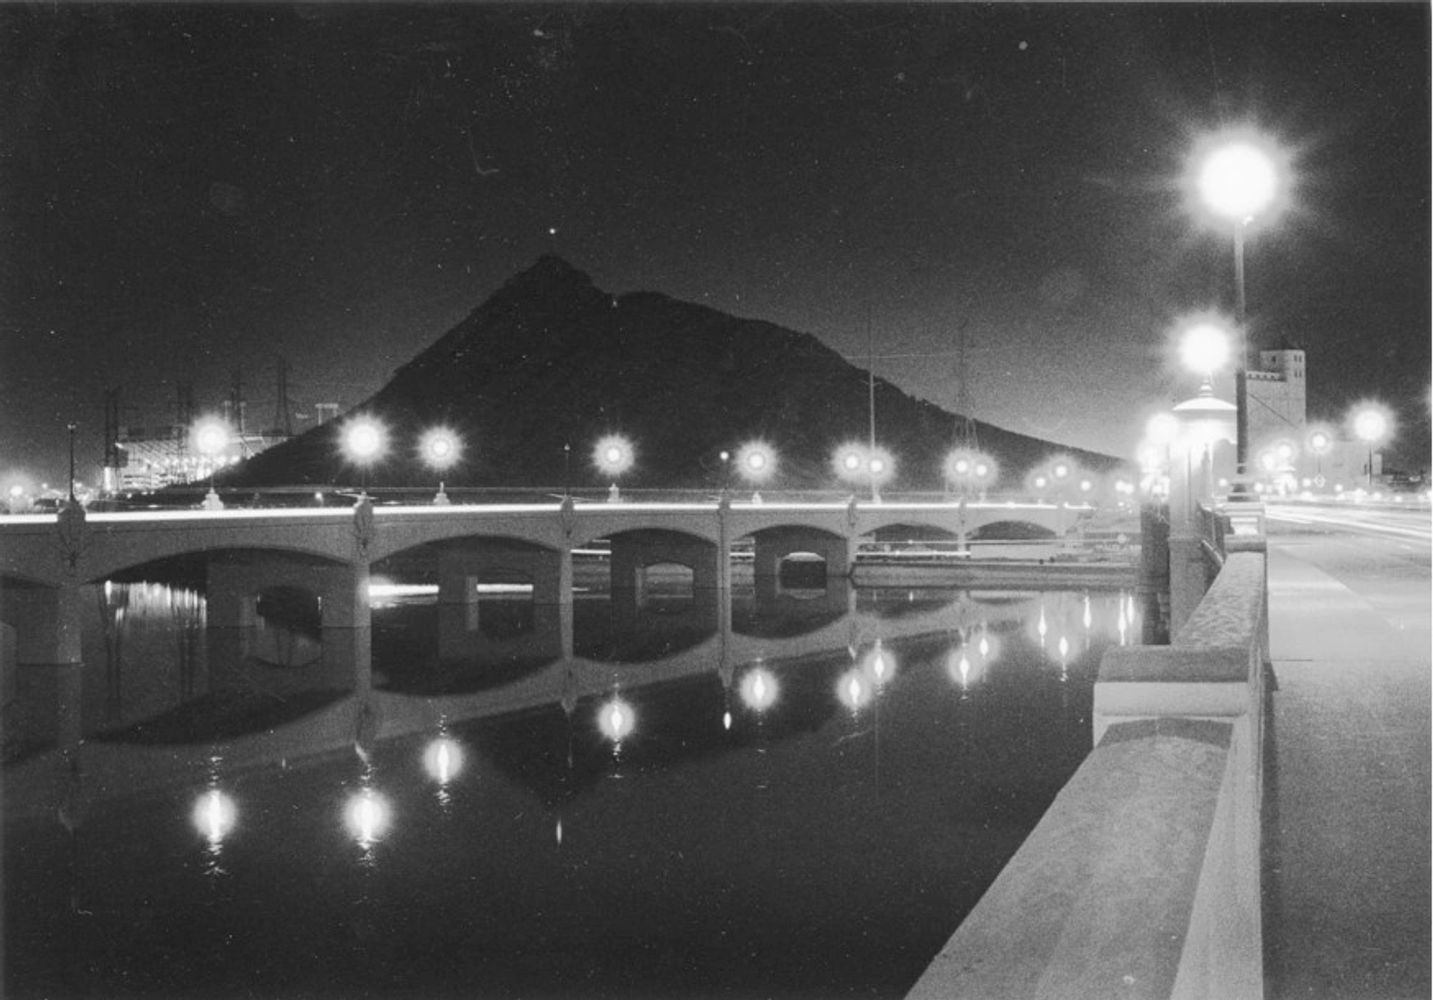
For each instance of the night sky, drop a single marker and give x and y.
(191, 191)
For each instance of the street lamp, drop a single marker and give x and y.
(613, 455)
(1320, 443)
(211, 437)
(965, 467)
(440, 449)
(364, 442)
(858, 463)
(71, 428)
(1238, 176)
(756, 463)
(1204, 348)
(1372, 426)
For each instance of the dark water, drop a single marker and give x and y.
(813, 825)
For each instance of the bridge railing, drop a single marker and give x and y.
(1142, 880)
(320, 495)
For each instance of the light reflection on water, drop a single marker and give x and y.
(809, 824)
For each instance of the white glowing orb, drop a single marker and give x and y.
(1204, 348)
(853, 690)
(440, 448)
(367, 816)
(211, 437)
(1238, 180)
(17, 491)
(215, 815)
(849, 461)
(364, 439)
(613, 455)
(1320, 442)
(1060, 471)
(759, 689)
(443, 759)
(616, 720)
(756, 461)
(1064, 647)
(1370, 425)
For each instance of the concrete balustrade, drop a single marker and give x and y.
(1142, 880)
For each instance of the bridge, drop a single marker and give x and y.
(331, 553)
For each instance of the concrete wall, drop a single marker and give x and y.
(1142, 880)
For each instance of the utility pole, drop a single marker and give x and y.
(113, 458)
(283, 417)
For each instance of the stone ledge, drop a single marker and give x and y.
(1167, 664)
(1097, 902)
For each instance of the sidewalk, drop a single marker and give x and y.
(1347, 838)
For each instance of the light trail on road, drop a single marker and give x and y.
(1382, 521)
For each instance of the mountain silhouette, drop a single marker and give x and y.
(550, 360)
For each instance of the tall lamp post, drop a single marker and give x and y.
(71, 428)
(1237, 177)
(211, 438)
(1320, 441)
(1371, 426)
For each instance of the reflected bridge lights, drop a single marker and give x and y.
(759, 689)
(215, 814)
(616, 720)
(443, 760)
(367, 817)
(854, 689)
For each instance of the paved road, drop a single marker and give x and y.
(1348, 833)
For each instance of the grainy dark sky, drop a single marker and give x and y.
(194, 190)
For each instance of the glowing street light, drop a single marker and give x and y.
(364, 441)
(211, 437)
(756, 463)
(1204, 348)
(1373, 426)
(1238, 176)
(440, 449)
(1320, 443)
(861, 463)
(965, 467)
(613, 455)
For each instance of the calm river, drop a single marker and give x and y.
(803, 804)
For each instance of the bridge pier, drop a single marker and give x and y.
(460, 627)
(233, 589)
(772, 547)
(634, 555)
